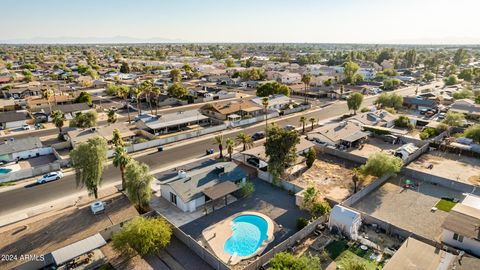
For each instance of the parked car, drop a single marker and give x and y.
(113, 108)
(26, 127)
(429, 114)
(258, 136)
(51, 176)
(423, 111)
(253, 161)
(97, 207)
(441, 115)
(290, 127)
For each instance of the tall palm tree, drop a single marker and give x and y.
(265, 104)
(312, 121)
(355, 178)
(156, 91)
(306, 78)
(136, 92)
(244, 139)
(121, 160)
(230, 143)
(123, 93)
(146, 89)
(219, 141)
(303, 120)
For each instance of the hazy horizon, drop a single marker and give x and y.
(427, 22)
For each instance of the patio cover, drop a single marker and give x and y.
(220, 190)
(355, 136)
(65, 254)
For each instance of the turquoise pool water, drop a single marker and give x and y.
(249, 232)
(5, 171)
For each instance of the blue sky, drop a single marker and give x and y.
(349, 21)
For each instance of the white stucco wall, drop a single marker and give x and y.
(470, 245)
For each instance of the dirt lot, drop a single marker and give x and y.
(48, 234)
(409, 209)
(455, 167)
(372, 146)
(331, 176)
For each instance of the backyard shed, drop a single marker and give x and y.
(345, 220)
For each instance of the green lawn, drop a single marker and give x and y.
(445, 205)
(339, 250)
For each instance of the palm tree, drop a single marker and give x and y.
(355, 178)
(265, 106)
(244, 139)
(121, 160)
(123, 93)
(219, 141)
(303, 120)
(146, 89)
(306, 81)
(312, 121)
(58, 119)
(137, 93)
(156, 91)
(230, 143)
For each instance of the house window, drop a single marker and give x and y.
(458, 237)
(173, 198)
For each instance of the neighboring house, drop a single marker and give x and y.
(368, 74)
(343, 134)
(379, 118)
(222, 110)
(419, 103)
(165, 100)
(77, 136)
(23, 92)
(23, 148)
(7, 105)
(275, 102)
(193, 189)
(68, 110)
(345, 220)
(284, 77)
(14, 119)
(467, 107)
(171, 122)
(461, 228)
(37, 103)
(414, 254)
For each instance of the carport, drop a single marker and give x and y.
(221, 190)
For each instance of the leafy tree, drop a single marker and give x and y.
(428, 133)
(389, 100)
(428, 76)
(350, 68)
(125, 67)
(285, 260)
(58, 120)
(311, 157)
(84, 97)
(454, 119)
(246, 140)
(230, 144)
(229, 62)
(176, 75)
(402, 121)
(411, 58)
(381, 164)
(389, 72)
(385, 54)
(84, 120)
(451, 80)
(464, 93)
(117, 138)
(88, 159)
(177, 90)
(218, 140)
(280, 148)
(247, 188)
(252, 74)
(477, 99)
(272, 88)
(145, 236)
(466, 74)
(460, 57)
(121, 160)
(391, 83)
(473, 132)
(112, 116)
(354, 101)
(138, 182)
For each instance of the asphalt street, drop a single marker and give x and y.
(29, 196)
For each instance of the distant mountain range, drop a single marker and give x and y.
(88, 40)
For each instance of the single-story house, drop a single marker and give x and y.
(419, 103)
(7, 105)
(22, 92)
(171, 122)
(77, 136)
(193, 189)
(405, 151)
(68, 110)
(379, 118)
(343, 134)
(414, 254)
(14, 119)
(467, 107)
(345, 220)
(24, 148)
(275, 102)
(37, 103)
(461, 228)
(222, 110)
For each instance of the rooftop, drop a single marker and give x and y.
(172, 119)
(19, 145)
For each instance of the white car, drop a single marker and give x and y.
(51, 176)
(26, 127)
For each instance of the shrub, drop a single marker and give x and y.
(311, 157)
(381, 164)
(364, 109)
(428, 133)
(402, 121)
(410, 126)
(247, 188)
(301, 223)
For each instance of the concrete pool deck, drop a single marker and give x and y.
(216, 235)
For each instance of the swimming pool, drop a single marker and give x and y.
(248, 233)
(5, 170)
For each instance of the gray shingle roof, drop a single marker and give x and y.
(20, 145)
